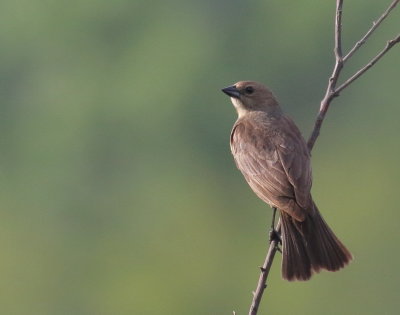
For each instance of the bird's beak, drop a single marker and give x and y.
(232, 91)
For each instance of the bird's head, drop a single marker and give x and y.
(249, 96)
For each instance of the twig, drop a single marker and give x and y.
(374, 60)
(374, 26)
(330, 94)
(262, 280)
(332, 91)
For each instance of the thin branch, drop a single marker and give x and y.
(374, 60)
(332, 91)
(338, 29)
(266, 267)
(374, 26)
(330, 94)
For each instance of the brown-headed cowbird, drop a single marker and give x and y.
(271, 153)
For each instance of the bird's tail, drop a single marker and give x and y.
(310, 246)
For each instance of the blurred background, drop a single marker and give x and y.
(119, 194)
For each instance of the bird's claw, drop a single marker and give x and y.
(274, 236)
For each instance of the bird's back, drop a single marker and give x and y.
(273, 157)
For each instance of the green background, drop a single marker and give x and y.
(118, 191)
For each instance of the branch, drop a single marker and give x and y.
(262, 280)
(330, 94)
(374, 26)
(332, 91)
(338, 30)
(374, 60)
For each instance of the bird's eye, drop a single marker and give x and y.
(249, 90)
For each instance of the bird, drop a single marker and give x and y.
(271, 153)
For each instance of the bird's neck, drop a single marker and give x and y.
(270, 114)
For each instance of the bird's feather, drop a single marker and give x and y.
(274, 161)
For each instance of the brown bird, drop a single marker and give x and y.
(271, 153)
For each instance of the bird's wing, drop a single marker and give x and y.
(295, 159)
(272, 167)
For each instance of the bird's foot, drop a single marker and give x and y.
(274, 236)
